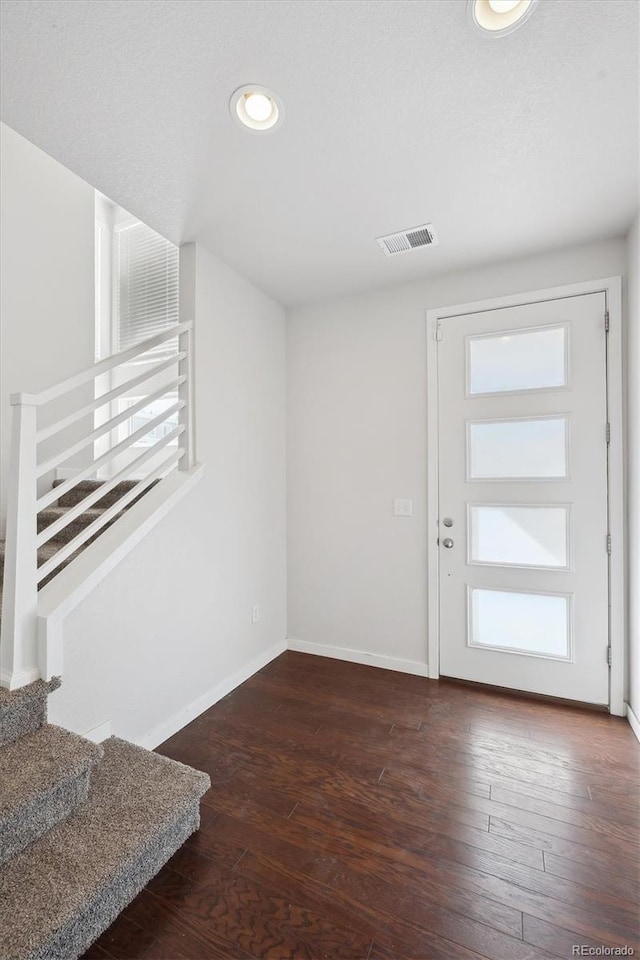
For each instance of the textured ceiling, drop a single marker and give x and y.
(397, 113)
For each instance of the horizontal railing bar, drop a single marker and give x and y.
(100, 401)
(87, 502)
(116, 360)
(61, 555)
(52, 495)
(106, 427)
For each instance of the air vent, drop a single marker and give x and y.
(407, 240)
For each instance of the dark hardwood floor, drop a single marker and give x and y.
(364, 814)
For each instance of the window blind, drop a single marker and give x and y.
(146, 288)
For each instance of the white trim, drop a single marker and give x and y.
(634, 723)
(433, 500)
(611, 287)
(184, 716)
(100, 733)
(617, 512)
(358, 656)
(21, 678)
(19, 613)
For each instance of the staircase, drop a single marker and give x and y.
(68, 531)
(93, 514)
(77, 426)
(83, 827)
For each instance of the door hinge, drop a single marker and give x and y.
(437, 331)
(608, 656)
(606, 321)
(608, 433)
(609, 544)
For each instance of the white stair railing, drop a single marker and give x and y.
(22, 575)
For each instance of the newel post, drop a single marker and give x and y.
(18, 643)
(186, 344)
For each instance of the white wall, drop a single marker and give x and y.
(633, 460)
(47, 271)
(172, 624)
(356, 439)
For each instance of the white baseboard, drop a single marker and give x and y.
(634, 723)
(99, 733)
(180, 719)
(359, 656)
(21, 678)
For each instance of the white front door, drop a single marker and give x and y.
(523, 498)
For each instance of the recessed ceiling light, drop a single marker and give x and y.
(503, 6)
(495, 18)
(256, 107)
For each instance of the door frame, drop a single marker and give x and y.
(612, 289)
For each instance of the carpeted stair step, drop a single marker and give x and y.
(70, 530)
(64, 890)
(85, 487)
(75, 496)
(49, 549)
(25, 710)
(44, 776)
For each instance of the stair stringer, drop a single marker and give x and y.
(69, 588)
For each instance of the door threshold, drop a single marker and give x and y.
(526, 695)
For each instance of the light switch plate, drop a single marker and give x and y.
(402, 508)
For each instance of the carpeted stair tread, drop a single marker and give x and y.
(51, 547)
(48, 550)
(24, 710)
(51, 514)
(43, 777)
(37, 761)
(73, 497)
(62, 891)
(85, 487)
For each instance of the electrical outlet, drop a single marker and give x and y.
(402, 508)
(255, 613)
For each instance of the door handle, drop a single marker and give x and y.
(447, 542)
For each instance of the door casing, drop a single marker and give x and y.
(612, 289)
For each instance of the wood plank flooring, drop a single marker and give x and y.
(360, 814)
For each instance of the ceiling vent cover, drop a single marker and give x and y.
(407, 240)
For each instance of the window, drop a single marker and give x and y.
(145, 288)
(517, 360)
(145, 416)
(530, 448)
